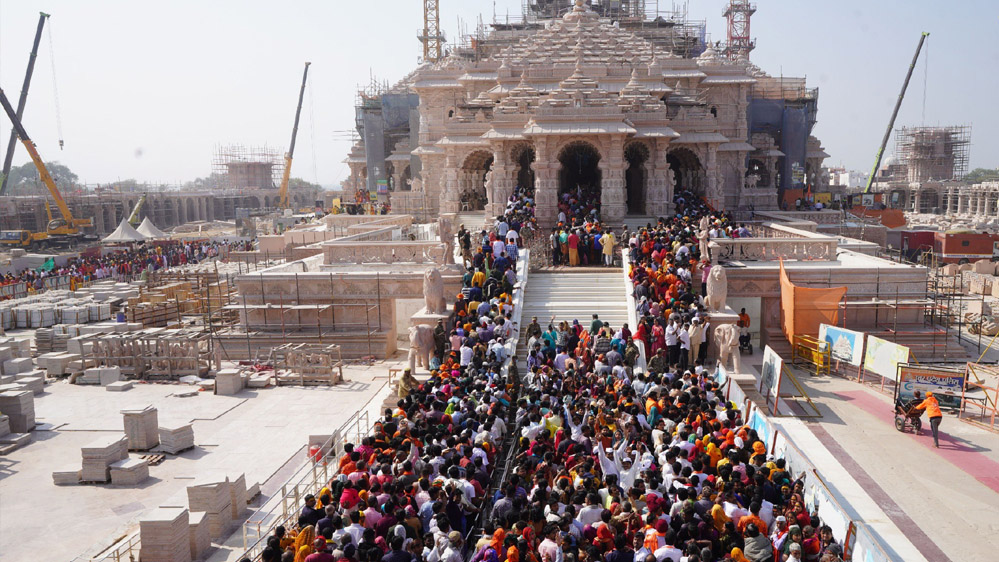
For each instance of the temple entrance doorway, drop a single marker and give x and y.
(524, 157)
(472, 180)
(687, 171)
(636, 177)
(579, 178)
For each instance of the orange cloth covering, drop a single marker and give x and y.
(804, 308)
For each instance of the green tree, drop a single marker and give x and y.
(979, 175)
(26, 178)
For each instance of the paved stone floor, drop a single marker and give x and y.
(257, 432)
(944, 501)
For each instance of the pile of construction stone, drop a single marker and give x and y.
(106, 459)
(176, 534)
(979, 278)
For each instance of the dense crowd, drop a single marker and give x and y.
(610, 462)
(123, 264)
(578, 237)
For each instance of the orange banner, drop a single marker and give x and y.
(804, 309)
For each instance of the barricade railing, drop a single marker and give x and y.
(308, 478)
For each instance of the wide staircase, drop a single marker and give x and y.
(573, 294)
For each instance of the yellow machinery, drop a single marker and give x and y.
(133, 219)
(283, 194)
(64, 231)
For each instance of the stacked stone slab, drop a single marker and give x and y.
(100, 375)
(237, 493)
(32, 380)
(63, 477)
(119, 386)
(11, 441)
(211, 494)
(19, 407)
(57, 362)
(101, 454)
(17, 365)
(141, 427)
(228, 382)
(176, 439)
(164, 536)
(201, 537)
(129, 472)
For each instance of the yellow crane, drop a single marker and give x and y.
(283, 194)
(67, 229)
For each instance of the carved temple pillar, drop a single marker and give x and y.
(500, 184)
(613, 198)
(450, 195)
(546, 168)
(659, 192)
(714, 193)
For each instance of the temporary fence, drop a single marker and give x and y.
(988, 412)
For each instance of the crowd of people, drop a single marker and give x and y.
(609, 462)
(122, 264)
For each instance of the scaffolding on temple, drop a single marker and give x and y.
(241, 167)
(933, 153)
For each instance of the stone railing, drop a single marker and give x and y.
(340, 253)
(819, 217)
(773, 249)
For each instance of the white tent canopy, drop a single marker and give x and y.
(124, 234)
(149, 230)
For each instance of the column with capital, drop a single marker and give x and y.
(499, 184)
(612, 185)
(449, 195)
(545, 183)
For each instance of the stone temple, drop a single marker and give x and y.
(582, 100)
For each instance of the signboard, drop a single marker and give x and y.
(945, 384)
(867, 200)
(846, 345)
(382, 186)
(770, 373)
(883, 357)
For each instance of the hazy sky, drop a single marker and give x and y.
(148, 90)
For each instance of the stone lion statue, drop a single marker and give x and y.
(433, 291)
(717, 289)
(421, 346)
(727, 340)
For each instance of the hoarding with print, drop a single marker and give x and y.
(845, 345)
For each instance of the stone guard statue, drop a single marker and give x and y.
(433, 292)
(717, 289)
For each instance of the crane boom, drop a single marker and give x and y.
(134, 217)
(894, 114)
(283, 194)
(37, 159)
(42, 16)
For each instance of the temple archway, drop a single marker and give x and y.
(636, 155)
(759, 169)
(580, 173)
(688, 173)
(472, 180)
(523, 157)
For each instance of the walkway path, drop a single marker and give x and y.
(944, 501)
(574, 294)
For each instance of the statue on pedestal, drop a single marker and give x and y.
(727, 339)
(447, 238)
(717, 289)
(421, 346)
(433, 292)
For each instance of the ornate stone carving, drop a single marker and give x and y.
(727, 340)
(421, 346)
(433, 292)
(444, 231)
(717, 289)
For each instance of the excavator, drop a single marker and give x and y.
(64, 231)
(283, 193)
